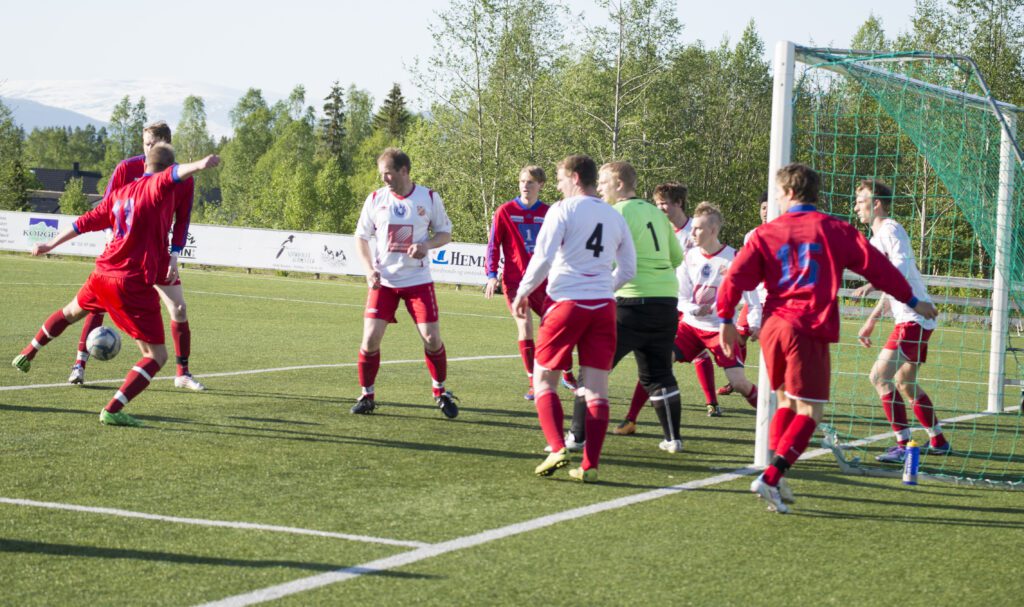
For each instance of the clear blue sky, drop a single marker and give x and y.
(276, 45)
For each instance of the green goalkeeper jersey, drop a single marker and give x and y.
(658, 253)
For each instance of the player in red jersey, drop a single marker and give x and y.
(577, 246)
(139, 216)
(513, 235)
(169, 285)
(800, 257)
(407, 221)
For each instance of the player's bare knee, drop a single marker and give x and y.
(177, 312)
(73, 312)
(432, 343)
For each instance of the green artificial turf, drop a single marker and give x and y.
(278, 447)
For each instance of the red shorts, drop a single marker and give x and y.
(691, 341)
(419, 300)
(134, 306)
(911, 340)
(587, 325)
(539, 301)
(796, 362)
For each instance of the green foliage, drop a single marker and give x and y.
(61, 147)
(124, 135)
(73, 201)
(252, 121)
(335, 200)
(15, 179)
(192, 141)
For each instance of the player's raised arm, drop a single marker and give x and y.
(184, 171)
(42, 248)
(745, 273)
(870, 263)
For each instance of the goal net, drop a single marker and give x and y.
(926, 125)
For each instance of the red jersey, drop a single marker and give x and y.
(800, 257)
(130, 169)
(139, 215)
(514, 234)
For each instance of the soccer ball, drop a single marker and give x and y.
(103, 343)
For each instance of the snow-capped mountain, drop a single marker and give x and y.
(164, 99)
(31, 114)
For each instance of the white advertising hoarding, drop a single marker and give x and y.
(311, 252)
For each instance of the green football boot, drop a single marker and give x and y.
(21, 363)
(118, 419)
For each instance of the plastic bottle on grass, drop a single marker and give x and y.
(911, 463)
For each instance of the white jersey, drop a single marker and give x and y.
(699, 287)
(580, 240)
(683, 235)
(397, 223)
(754, 317)
(892, 240)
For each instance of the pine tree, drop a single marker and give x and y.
(332, 125)
(393, 117)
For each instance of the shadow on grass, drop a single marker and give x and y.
(647, 462)
(28, 547)
(923, 520)
(36, 409)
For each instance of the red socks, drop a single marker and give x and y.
(92, 320)
(368, 364)
(752, 397)
(182, 337)
(705, 369)
(437, 364)
(639, 400)
(597, 426)
(925, 413)
(791, 446)
(526, 351)
(552, 419)
(780, 421)
(136, 381)
(896, 413)
(53, 327)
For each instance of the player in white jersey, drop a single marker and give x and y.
(748, 323)
(406, 220)
(580, 240)
(706, 265)
(670, 198)
(894, 374)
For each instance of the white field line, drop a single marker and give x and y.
(334, 303)
(407, 558)
(258, 371)
(212, 523)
